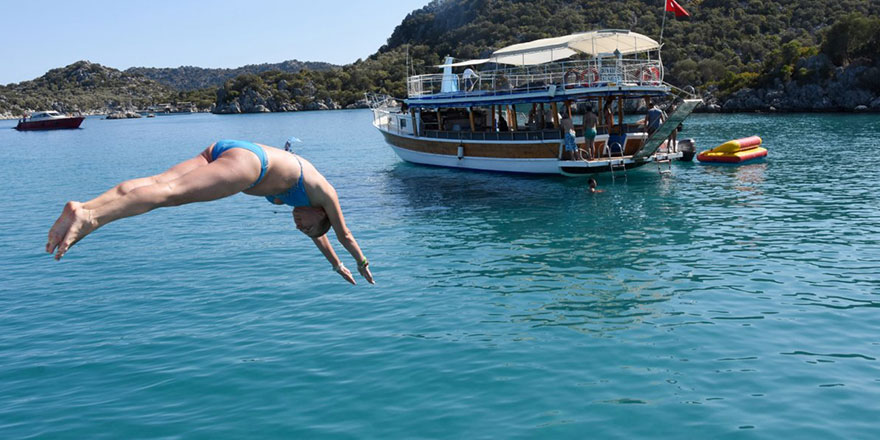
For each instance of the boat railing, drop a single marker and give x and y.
(536, 135)
(568, 75)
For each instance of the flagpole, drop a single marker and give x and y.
(664, 21)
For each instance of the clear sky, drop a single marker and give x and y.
(43, 35)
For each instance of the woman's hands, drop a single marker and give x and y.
(364, 269)
(344, 272)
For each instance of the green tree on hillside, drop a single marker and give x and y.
(851, 37)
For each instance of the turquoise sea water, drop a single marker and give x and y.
(719, 302)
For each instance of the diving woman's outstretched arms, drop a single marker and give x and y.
(328, 200)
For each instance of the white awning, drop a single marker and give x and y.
(465, 63)
(595, 43)
(606, 42)
(531, 58)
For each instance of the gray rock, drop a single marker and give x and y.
(363, 103)
(852, 98)
(315, 105)
(359, 104)
(251, 101)
(123, 115)
(861, 108)
(227, 109)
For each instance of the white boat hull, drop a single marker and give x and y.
(531, 166)
(530, 157)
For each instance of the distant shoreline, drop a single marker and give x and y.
(701, 110)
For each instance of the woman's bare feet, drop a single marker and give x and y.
(72, 226)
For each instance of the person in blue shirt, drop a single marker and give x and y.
(225, 168)
(654, 119)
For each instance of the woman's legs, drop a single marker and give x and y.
(191, 181)
(169, 174)
(69, 213)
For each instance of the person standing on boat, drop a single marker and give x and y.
(568, 140)
(225, 168)
(532, 122)
(654, 118)
(470, 78)
(590, 122)
(672, 140)
(609, 115)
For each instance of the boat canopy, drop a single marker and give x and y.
(463, 63)
(595, 43)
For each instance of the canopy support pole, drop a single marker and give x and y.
(554, 109)
(494, 124)
(415, 126)
(542, 120)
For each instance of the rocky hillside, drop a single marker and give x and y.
(188, 78)
(813, 55)
(81, 87)
(789, 55)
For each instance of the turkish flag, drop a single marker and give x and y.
(673, 6)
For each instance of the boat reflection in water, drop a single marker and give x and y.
(534, 254)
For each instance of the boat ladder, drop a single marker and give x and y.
(616, 164)
(668, 163)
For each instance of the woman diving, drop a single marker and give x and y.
(221, 170)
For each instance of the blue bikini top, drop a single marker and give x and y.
(295, 195)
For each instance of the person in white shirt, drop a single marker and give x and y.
(470, 78)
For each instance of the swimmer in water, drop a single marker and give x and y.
(592, 184)
(221, 170)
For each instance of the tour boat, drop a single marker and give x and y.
(507, 116)
(48, 120)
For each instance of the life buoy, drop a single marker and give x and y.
(591, 76)
(571, 78)
(650, 75)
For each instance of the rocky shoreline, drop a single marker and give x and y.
(709, 107)
(251, 101)
(851, 89)
(823, 88)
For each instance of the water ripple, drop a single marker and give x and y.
(716, 302)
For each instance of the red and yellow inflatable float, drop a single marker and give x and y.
(735, 151)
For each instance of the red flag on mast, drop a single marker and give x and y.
(673, 6)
